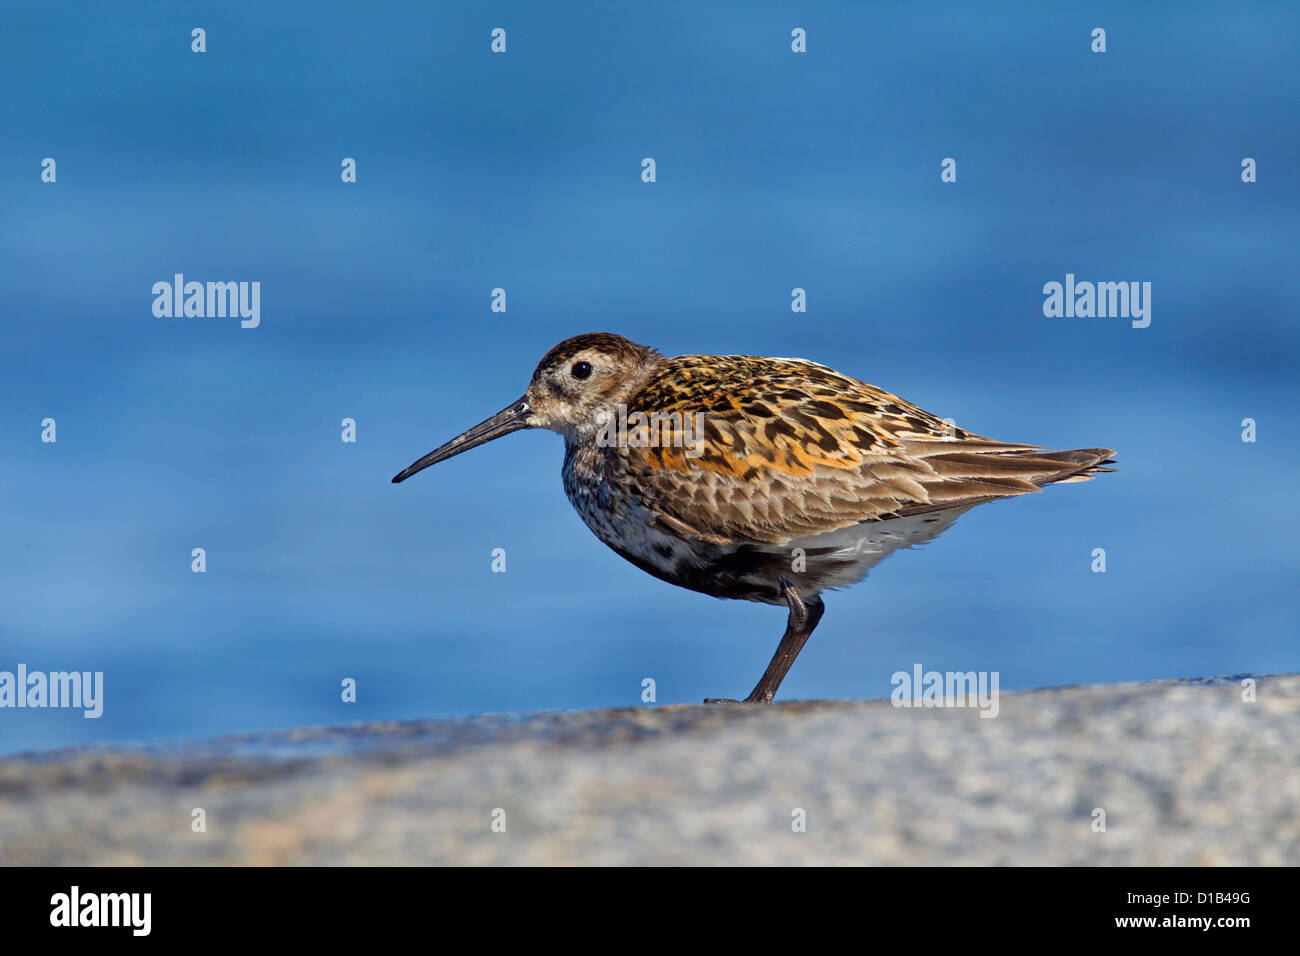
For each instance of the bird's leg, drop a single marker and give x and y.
(804, 616)
(803, 619)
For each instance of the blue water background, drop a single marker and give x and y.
(774, 170)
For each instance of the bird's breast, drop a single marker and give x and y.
(598, 486)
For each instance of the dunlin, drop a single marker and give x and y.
(764, 479)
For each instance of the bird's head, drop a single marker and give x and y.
(575, 386)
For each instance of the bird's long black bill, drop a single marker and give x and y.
(509, 419)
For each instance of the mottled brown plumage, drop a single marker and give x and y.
(794, 448)
(758, 478)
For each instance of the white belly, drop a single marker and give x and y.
(837, 559)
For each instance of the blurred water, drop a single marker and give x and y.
(476, 170)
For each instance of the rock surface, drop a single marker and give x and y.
(1186, 772)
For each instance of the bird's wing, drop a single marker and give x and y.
(741, 448)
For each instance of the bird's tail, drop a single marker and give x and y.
(1087, 462)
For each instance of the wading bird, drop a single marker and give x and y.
(764, 479)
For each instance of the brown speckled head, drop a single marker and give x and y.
(584, 376)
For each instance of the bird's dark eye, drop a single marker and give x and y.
(580, 370)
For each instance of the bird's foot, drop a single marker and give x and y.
(720, 700)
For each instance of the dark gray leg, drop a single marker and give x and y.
(804, 616)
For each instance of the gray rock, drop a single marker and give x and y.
(1186, 772)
